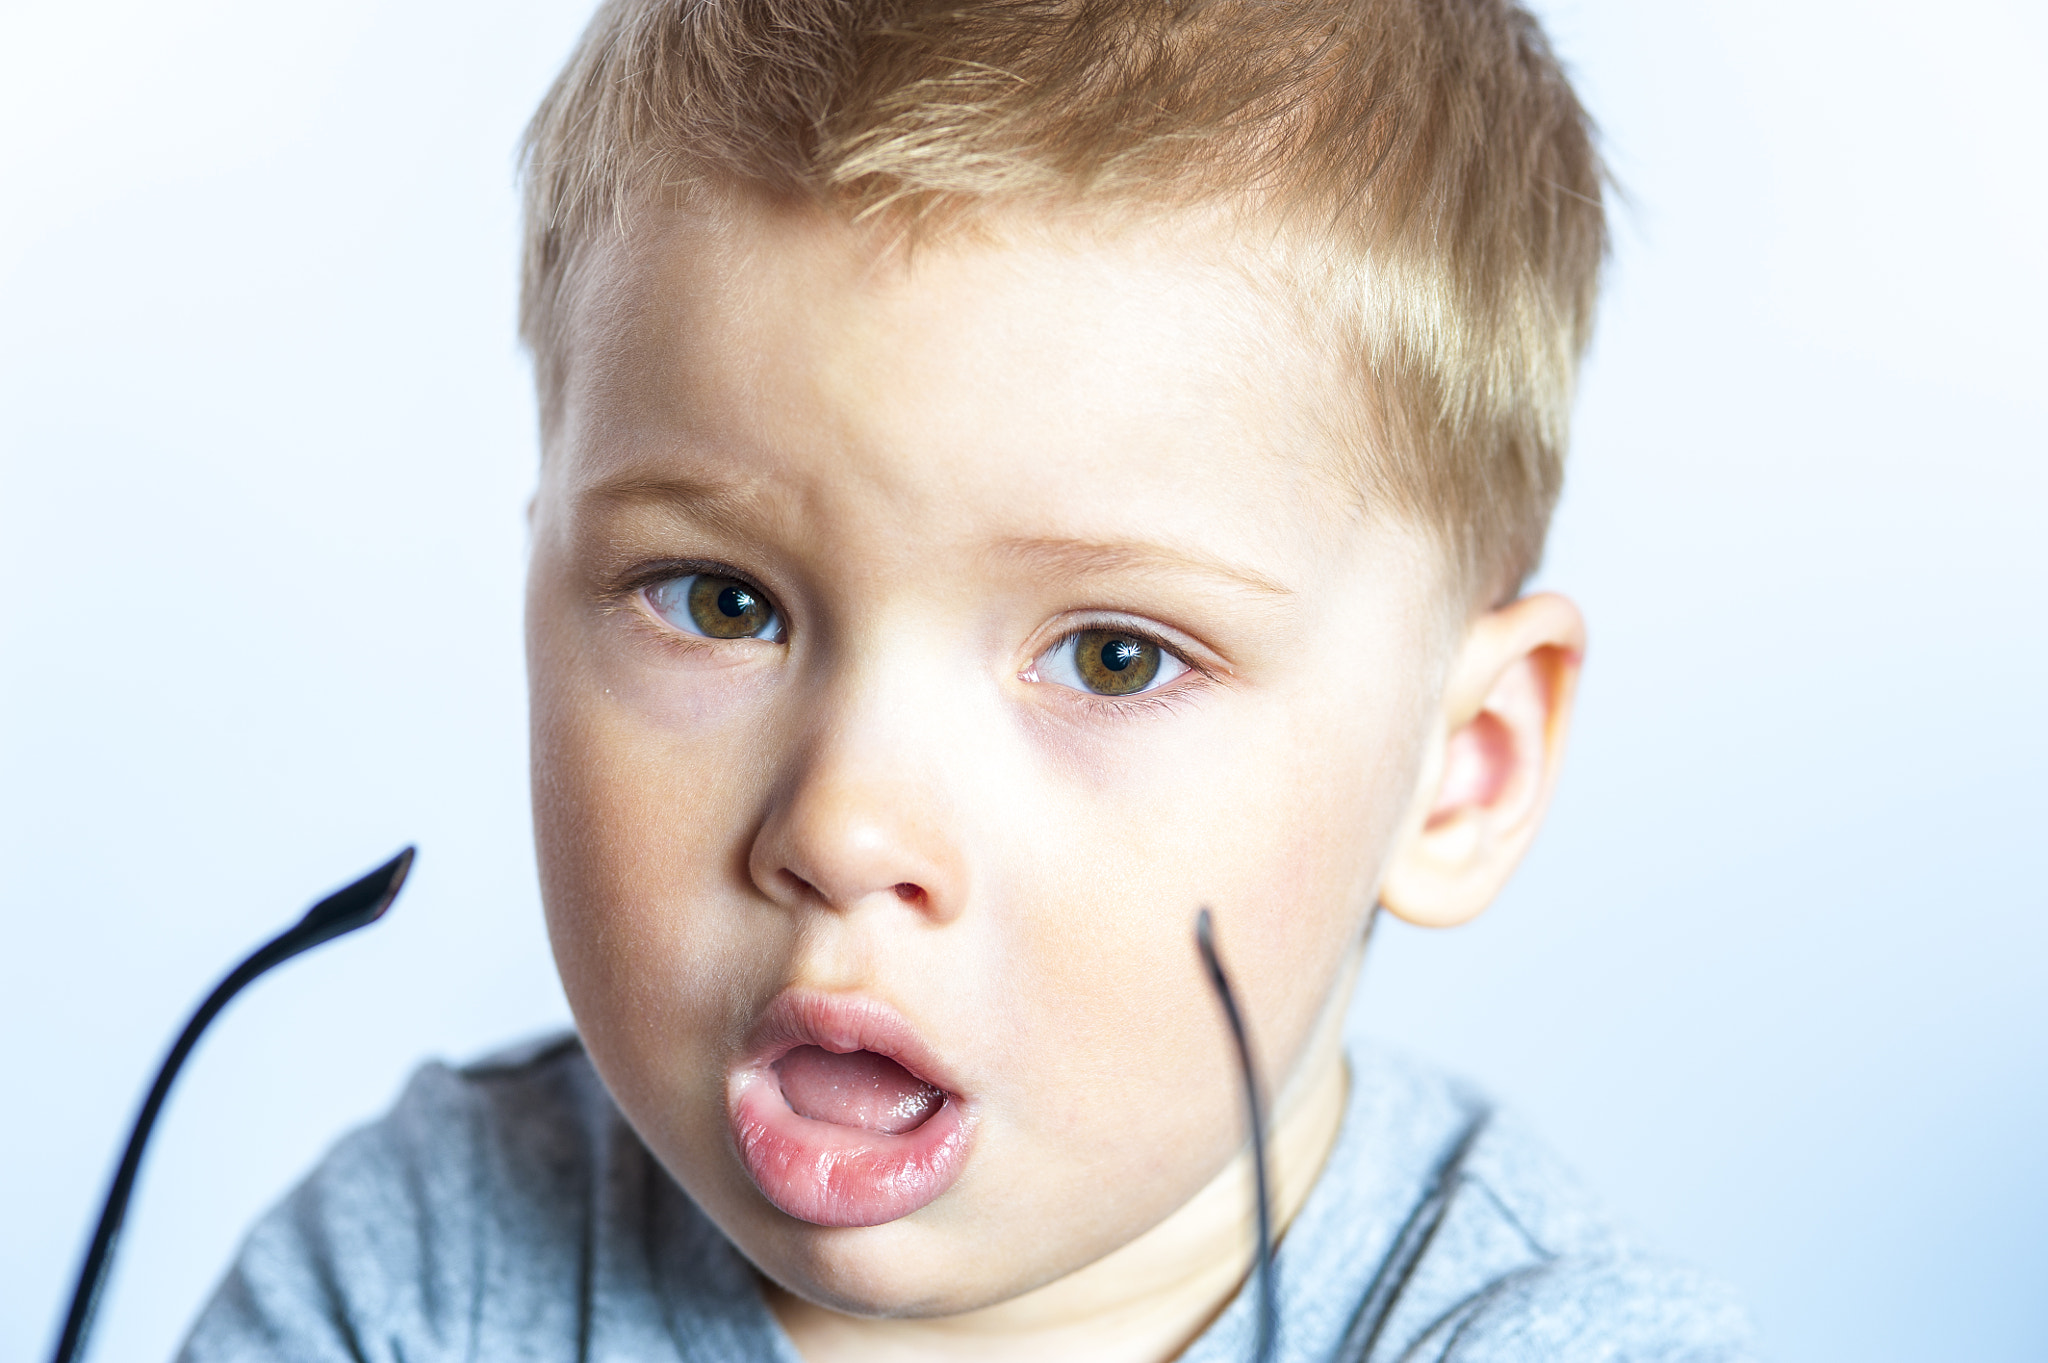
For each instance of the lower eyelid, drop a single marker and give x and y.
(649, 622)
(1182, 690)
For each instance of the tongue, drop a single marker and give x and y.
(860, 1089)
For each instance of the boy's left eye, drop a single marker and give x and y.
(1108, 662)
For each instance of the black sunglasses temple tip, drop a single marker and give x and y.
(1266, 1287)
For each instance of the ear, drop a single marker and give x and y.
(1492, 762)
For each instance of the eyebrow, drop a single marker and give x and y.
(721, 503)
(1084, 558)
(716, 502)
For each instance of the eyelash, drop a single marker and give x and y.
(627, 595)
(1168, 700)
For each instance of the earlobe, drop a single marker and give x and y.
(1492, 764)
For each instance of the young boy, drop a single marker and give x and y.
(1015, 472)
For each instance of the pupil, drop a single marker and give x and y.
(734, 602)
(1119, 654)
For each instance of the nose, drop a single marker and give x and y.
(862, 819)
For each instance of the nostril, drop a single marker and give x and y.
(909, 893)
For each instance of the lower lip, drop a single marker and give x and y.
(833, 1175)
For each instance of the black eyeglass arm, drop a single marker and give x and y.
(1269, 1305)
(354, 906)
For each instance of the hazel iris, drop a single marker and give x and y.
(1114, 664)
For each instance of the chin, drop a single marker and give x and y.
(898, 1270)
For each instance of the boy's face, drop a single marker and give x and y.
(915, 646)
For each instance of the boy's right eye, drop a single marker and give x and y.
(713, 606)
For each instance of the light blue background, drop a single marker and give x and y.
(1774, 977)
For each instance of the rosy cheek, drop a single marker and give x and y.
(638, 769)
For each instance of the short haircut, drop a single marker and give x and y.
(1427, 160)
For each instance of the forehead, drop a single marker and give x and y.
(1028, 377)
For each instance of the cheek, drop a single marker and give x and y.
(1278, 827)
(641, 807)
(1278, 819)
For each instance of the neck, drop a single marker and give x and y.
(1143, 1303)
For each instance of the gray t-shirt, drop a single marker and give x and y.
(505, 1211)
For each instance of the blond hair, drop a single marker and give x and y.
(1430, 152)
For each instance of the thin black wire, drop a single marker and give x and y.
(1268, 1290)
(1362, 1336)
(347, 909)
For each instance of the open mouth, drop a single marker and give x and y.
(840, 1116)
(859, 1089)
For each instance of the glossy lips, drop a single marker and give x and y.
(841, 1116)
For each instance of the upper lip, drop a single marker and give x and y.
(844, 1023)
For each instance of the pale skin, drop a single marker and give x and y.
(937, 466)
